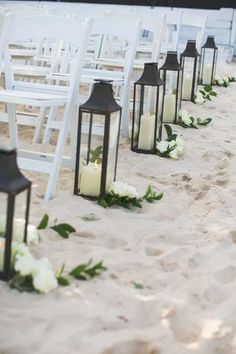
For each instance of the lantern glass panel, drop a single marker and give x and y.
(145, 130)
(93, 141)
(188, 77)
(3, 213)
(3, 224)
(172, 99)
(19, 218)
(208, 67)
(113, 146)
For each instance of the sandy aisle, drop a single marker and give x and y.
(182, 249)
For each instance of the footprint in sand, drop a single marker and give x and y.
(150, 251)
(226, 275)
(222, 163)
(204, 189)
(185, 324)
(134, 346)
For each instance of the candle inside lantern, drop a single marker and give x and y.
(206, 75)
(90, 179)
(169, 108)
(146, 132)
(187, 88)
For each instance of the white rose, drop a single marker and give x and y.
(32, 234)
(172, 143)
(180, 146)
(220, 82)
(44, 279)
(174, 155)
(217, 78)
(21, 249)
(123, 190)
(162, 146)
(199, 98)
(24, 264)
(226, 79)
(187, 120)
(183, 113)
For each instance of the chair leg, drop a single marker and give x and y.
(125, 115)
(48, 130)
(39, 126)
(12, 123)
(74, 127)
(63, 133)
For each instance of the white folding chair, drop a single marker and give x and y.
(117, 53)
(44, 95)
(172, 33)
(192, 28)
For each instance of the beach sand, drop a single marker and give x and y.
(182, 249)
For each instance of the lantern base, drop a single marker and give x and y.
(141, 151)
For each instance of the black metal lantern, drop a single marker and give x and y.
(14, 204)
(98, 140)
(208, 62)
(147, 110)
(189, 62)
(172, 75)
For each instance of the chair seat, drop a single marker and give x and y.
(28, 98)
(31, 70)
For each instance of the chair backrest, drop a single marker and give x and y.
(122, 35)
(189, 23)
(172, 28)
(153, 28)
(57, 29)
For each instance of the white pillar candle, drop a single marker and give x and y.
(169, 108)
(90, 179)
(146, 132)
(206, 75)
(187, 87)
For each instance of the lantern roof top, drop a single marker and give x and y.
(150, 75)
(210, 43)
(11, 179)
(171, 62)
(101, 99)
(190, 50)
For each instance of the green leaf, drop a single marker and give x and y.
(138, 285)
(205, 121)
(60, 271)
(168, 130)
(22, 283)
(110, 199)
(151, 196)
(64, 230)
(207, 88)
(95, 155)
(63, 281)
(43, 223)
(89, 217)
(213, 93)
(87, 271)
(202, 92)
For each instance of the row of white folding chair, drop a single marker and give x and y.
(76, 32)
(125, 37)
(192, 27)
(121, 78)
